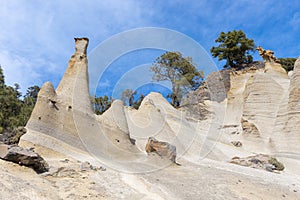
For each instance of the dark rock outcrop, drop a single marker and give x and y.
(163, 149)
(13, 136)
(26, 157)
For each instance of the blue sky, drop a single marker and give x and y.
(36, 36)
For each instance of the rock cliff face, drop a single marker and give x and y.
(234, 115)
(288, 119)
(262, 98)
(257, 107)
(262, 106)
(294, 98)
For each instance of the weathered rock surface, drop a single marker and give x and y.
(267, 55)
(23, 156)
(291, 118)
(61, 115)
(53, 113)
(249, 107)
(161, 148)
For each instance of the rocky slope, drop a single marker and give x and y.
(239, 114)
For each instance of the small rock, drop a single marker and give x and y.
(85, 166)
(102, 168)
(255, 160)
(237, 143)
(161, 148)
(65, 160)
(269, 167)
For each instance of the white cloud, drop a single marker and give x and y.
(36, 36)
(18, 70)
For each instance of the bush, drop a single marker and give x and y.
(278, 165)
(287, 63)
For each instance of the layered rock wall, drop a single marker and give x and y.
(288, 120)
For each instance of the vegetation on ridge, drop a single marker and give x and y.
(15, 109)
(287, 63)
(180, 71)
(234, 47)
(128, 97)
(101, 104)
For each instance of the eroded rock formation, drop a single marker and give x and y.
(288, 119)
(53, 114)
(256, 107)
(245, 112)
(63, 119)
(267, 55)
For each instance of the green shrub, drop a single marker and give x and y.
(278, 165)
(287, 63)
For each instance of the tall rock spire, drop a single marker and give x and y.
(74, 83)
(53, 113)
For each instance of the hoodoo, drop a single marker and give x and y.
(52, 119)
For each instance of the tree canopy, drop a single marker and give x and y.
(15, 110)
(101, 104)
(180, 71)
(287, 63)
(127, 96)
(234, 47)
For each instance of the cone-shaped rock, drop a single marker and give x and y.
(53, 113)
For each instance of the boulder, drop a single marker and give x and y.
(163, 149)
(26, 157)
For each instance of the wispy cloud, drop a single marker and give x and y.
(36, 36)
